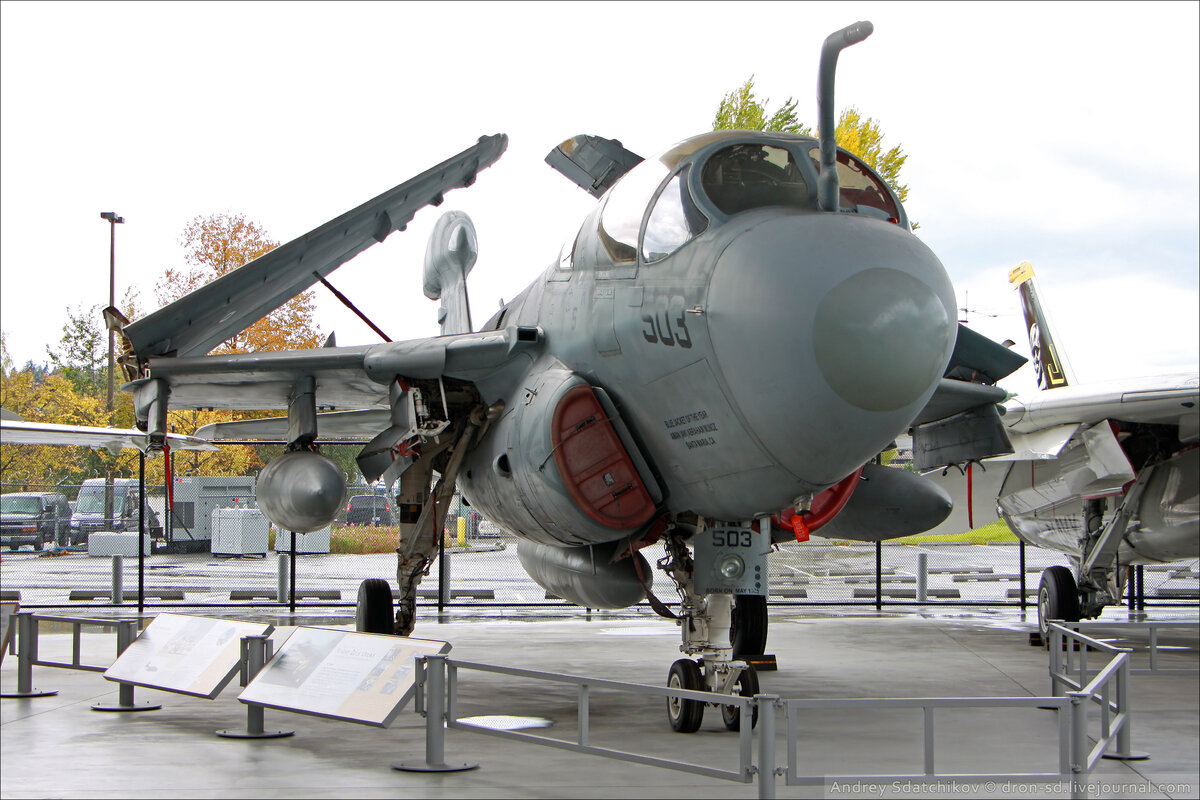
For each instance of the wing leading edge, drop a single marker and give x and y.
(110, 439)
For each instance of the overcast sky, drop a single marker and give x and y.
(1063, 134)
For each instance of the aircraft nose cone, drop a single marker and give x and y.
(832, 332)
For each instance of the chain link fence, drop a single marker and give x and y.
(217, 550)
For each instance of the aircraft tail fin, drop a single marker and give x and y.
(449, 257)
(1049, 363)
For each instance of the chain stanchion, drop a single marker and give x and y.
(126, 633)
(27, 651)
(256, 652)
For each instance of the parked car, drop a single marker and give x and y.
(34, 518)
(88, 515)
(369, 509)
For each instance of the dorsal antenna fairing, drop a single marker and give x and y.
(835, 43)
(451, 253)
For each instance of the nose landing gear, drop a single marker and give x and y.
(706, 622)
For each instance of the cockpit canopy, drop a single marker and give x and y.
(666, 201)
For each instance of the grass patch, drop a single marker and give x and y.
(363, 539)
(356, 539)
(996, 532)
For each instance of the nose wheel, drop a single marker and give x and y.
(748, 625)
(373, 611)
(685, 715)
(747, 686)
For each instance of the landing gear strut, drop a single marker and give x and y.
(705, 622)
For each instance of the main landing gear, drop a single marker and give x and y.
(717, 631)
(1058, 598)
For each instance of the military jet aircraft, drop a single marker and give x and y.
(1107, 473)
(714, 360)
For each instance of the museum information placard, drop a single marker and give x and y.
(354, 677)
(184, 654)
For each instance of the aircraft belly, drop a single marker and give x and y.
(1167, 527)
(1042, 501)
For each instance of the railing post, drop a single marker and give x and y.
(256, 652)
(27, 652)
(281, 582)
(1125, 751)
(1079, 749)
(922, 577)
(766, 744)
(1056, 646)
(118, 579)
(435, 721)
(126, 634)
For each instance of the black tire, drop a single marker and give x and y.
(748, 625)
(685, 715)
(747, 686)
(373, 612)
(1058, 598)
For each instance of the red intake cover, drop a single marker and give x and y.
(594, 464)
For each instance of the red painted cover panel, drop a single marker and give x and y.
(594, 464)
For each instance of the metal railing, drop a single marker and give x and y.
(27, 647)
(439, 682)
(1109, 690)
(1151, 627)
(439, 693)
(582, 744)
(927, 705)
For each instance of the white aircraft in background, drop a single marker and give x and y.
(14, 430)
(1107, 473)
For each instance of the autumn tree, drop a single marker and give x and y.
(219, 243)
(40, 397)
(862, 136)
(215, 245)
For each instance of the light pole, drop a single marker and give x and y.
(113, 221)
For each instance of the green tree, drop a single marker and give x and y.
(82, 353)
(741, 109)
(6, 362)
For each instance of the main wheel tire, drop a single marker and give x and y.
(748, 625)
(1058, 598)
(685, 715)
(373, 612)
(747, 686)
